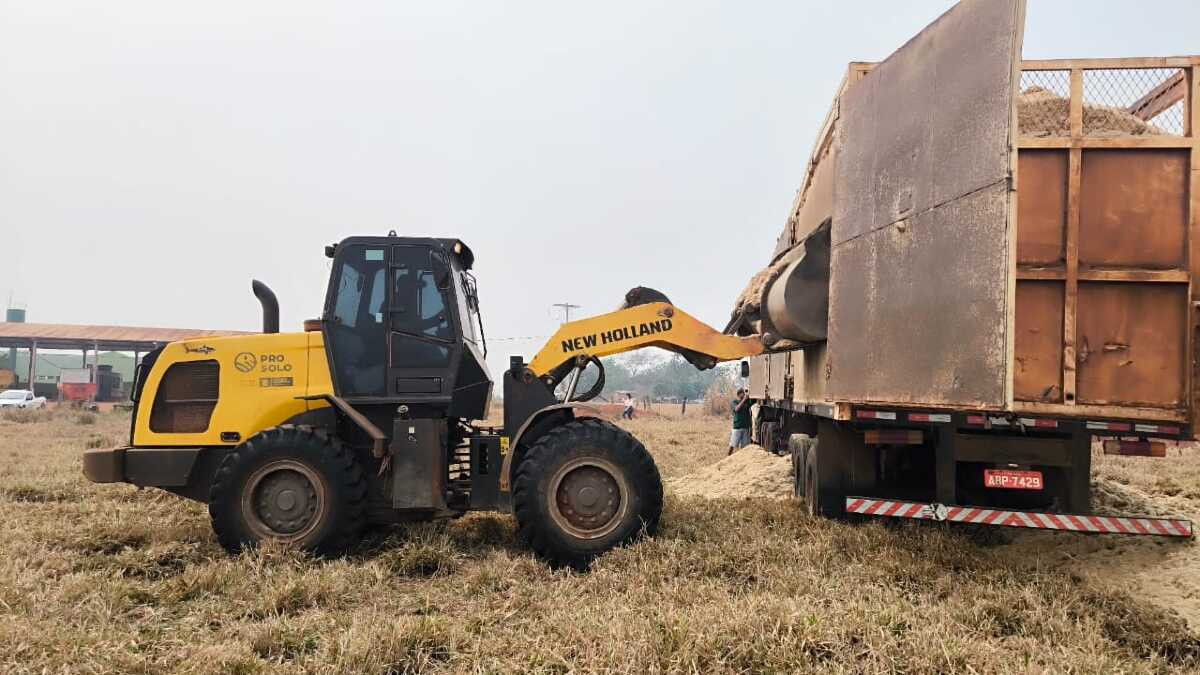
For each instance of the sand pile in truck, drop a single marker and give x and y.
(749, 472)
(1042, 113)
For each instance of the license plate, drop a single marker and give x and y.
(1012, 480)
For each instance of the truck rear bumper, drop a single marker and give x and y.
(151, 467)
(1163, 527)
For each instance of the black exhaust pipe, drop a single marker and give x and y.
(270, 306)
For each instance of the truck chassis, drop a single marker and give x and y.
(981, 468)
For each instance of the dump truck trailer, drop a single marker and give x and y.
(990, 265)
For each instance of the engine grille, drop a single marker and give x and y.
(186, 398)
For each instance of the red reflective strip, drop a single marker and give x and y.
(991, 518)
(873, 507)
(1077, 524)
(1168, 430)
(852, 507)
(1052, 424)
(1183, 527)
(1118, 426)
(1053, 523)
(1158, 525)
(914, 511)
(1038, 520)
(975, 419)
(894, 509)
(1114, 524)
(864, 414)
(918, 417)
(1013, 520)
(1140, 528)
(970, 515)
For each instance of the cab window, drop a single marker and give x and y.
(358, 334)
(418, 298)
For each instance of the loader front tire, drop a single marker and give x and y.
(584, 488)
(293, 484)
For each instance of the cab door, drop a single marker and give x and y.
(356, 331)
(423, 345)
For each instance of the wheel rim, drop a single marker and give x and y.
(283, 500)
(588, 497)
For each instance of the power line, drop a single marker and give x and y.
(566, 307)
(518, 338)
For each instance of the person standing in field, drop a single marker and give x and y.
(740, 437)
(629, 405)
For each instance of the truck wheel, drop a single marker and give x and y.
(821, 479)
(584, 488)
(798, 447)
(293, 484)
(810, 486)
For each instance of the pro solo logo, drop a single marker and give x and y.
(271, 363)
(245, 362)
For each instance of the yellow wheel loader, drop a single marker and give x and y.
(373, 414)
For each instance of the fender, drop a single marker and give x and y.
(515, 443)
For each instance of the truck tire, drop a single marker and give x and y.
(584, 488)
(799, 446)
(293, 484)
(824, 474)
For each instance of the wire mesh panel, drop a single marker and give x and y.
(1043, 108)
(1134, 102)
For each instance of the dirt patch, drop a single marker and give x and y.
(749, 472)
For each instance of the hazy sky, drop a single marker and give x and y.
(155, 156)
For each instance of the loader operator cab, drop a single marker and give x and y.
(401, 324)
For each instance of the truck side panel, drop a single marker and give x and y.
(1106, 248)
(920, 274)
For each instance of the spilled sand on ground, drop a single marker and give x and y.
(1160, 570)
(747, 473)
(1165, 572)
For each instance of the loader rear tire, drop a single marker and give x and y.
(583, 488)
(293, 484)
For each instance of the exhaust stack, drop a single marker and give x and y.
(270, 306)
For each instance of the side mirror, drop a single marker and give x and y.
(745, 368)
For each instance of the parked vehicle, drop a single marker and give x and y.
(21, 398)
(990, 263)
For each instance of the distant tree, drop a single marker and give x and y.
(655, 372)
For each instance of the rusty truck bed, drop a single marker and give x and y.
(1010, 236)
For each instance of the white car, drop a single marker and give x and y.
(21, 398)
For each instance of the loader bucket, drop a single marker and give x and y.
(796, 303)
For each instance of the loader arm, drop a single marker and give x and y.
(655, 324)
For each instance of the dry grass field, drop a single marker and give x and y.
(111, 579)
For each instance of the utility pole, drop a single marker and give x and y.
(566, 307)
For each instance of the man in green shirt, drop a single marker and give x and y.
(740, 437)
